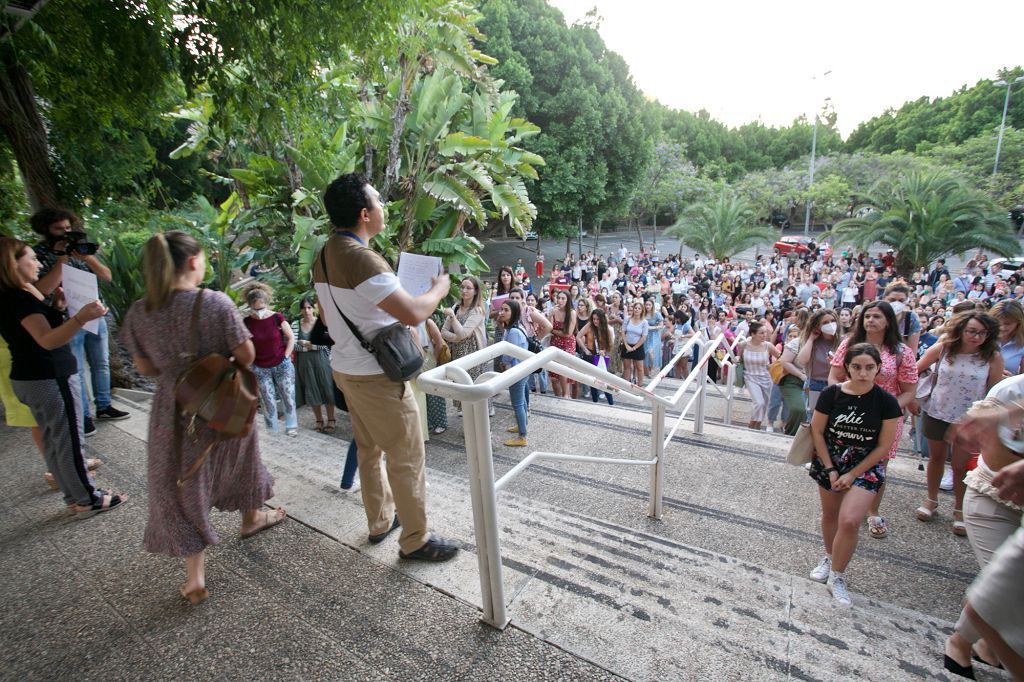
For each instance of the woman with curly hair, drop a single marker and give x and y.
(967, 363)
(563, 335)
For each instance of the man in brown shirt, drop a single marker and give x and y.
(385, 417)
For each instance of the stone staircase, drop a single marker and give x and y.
(717, 590)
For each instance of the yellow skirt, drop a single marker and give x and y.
(17, 413)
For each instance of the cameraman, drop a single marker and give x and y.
(53, 225)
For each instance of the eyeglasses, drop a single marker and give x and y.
(977, 333)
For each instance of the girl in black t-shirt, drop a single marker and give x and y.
(854, 426)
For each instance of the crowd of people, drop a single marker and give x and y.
(833, 339)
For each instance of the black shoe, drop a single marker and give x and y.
(957, 669)
(436, 549)
(381, 537)
(89, 427)
(111, 414)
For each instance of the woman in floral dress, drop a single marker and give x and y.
(464, 325)
(231, 477)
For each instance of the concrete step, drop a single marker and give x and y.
(627, 595)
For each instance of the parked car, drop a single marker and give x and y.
(1011, 264)
(530, 235)
(800, 246)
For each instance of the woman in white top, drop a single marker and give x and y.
(757, 354)
(968, 363)
(850, 294)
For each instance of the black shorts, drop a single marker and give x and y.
(635, 354)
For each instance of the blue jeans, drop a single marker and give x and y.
(94, 348)
(348, 476)
(775, 405)
(545, 383)
(517, 393)
(278, 382)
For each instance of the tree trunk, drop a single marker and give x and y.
(397, 127)
(639, 234)
(21, 123)
(654, 227)
(597, 235)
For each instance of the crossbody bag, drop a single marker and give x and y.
(393, 346)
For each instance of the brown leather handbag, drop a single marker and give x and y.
(216, 391)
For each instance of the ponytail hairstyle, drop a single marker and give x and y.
(163, 257)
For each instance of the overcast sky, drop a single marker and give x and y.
(746, 60)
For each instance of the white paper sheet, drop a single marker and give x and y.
(416, 272)
(80, 289)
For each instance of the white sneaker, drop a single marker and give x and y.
(770, 429)
(354, 489)
(947, 480)
(822, 570)
(839, 591)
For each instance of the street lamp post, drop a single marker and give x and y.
(1002, 125)
(810, 172)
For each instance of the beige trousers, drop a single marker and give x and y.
(385, 419)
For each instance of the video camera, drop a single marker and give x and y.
(74, 243)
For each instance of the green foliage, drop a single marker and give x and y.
(721, 226)
(923, 123)
(925, 216)
(583, 99)
(121, 228)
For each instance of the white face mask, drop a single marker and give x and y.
(898, 307)
(831, 328)
(263, 313)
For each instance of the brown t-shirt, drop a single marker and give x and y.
(356, 281)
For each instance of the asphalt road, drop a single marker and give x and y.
(498, 252)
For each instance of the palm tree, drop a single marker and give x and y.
(925, 216)
(720, 226)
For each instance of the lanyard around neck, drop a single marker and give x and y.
(353, 235)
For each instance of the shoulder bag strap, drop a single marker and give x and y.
(355, 332)
(194, 327)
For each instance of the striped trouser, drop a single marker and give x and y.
(56, 404)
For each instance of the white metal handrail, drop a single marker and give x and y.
(452, 380)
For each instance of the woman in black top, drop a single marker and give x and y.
(44, 373)
(854, 426)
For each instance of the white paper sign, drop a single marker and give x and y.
(80, 289)
(417, 272)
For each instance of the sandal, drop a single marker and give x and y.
(51, 481)
(926, 512)
(108, 501)
(330, 426)
(877, 527)
(959, 527)
(319, 428)
(93, 463)
(196, 596)
(270, 519)
(438, 430)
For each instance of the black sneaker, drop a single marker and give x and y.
(436, 549)
(90, 428)
(111, 414)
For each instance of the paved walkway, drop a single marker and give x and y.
(596, 590)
